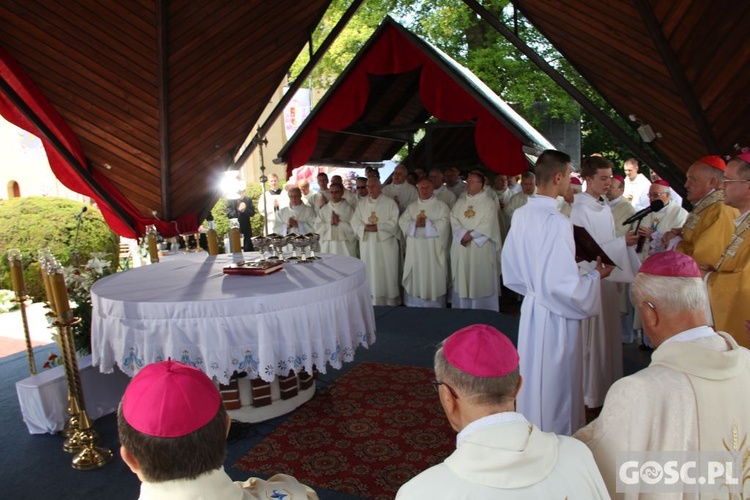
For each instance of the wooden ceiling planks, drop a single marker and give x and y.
(97, 63)
(707, 39)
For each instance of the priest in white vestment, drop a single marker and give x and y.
(348, 196)
(643, 201)
(453, 181)
(271, 201)
(602, 334)
(320, 198)
(475, 250)
(426, 228)
(635, 184)
(539, 263)
(504, 194)
(375, 223)
(499, 454)
(403, 193)
(307, 193)
(528, 188)
(297, 218)
(441, 192)
(693, 395)
(334, 225)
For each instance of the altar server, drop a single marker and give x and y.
(271, 202)
(499, 454)
(539, 263)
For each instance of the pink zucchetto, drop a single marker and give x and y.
(670, 264)
(170, 399)
(714, 161)
(481, 351)
(618, 178)
(575, 181)
(661, 182)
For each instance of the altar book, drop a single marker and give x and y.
(253, 268)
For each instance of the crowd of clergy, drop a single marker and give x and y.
(679, 284)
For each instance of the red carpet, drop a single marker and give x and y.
(367, 434)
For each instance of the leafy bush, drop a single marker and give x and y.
(36, 222)
(219, 213)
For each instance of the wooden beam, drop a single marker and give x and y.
(295, 86)
(684, 89)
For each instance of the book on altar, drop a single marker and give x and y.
(253, 268)
(587, 249)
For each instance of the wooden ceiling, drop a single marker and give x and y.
(679, 66)
(161, 94)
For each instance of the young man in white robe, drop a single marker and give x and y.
(297, 218)
(602, 334)
(635, 183)
(693, 395)
(271, 202)
(426, 227)
(499, 454)
(539, 263)
(403, 193)
(334, 225)
(375, 223)
(475, 249)
(317, 200)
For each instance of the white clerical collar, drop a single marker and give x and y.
(739, 220)
(506, 417)
(374, 200)
(696, 333)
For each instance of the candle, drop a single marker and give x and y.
(153, 251)
(236, 246)
(60, 291)
(47, 286)
(16, 271)
(213, 242)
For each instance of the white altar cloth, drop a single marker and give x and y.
(188, 310)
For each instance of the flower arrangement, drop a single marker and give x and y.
(79, 282)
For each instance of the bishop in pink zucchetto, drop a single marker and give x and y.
(499, 453)
(481, 351)
(670, 264)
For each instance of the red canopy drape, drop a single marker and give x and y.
(22, 85)
(445, 99)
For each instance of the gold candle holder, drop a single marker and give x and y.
(84, 439)
(153, 251)
(213, 239)
(15, 261)
(234, 234)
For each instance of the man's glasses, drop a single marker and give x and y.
(736, 180)
(656, 195)
(436, 384)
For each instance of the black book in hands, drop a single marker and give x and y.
(587, 249)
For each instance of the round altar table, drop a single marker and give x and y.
(187, 309)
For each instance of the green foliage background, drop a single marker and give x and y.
(219, 213)
(36, 222)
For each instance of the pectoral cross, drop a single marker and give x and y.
(470, 213)
(373, 218)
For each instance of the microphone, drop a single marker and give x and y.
(655, 206)
(78, 216)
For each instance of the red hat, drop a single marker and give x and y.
(575, 181)
(661, 182)
(170, 399)
(670, 264)
(618, 178)
(714, 161)
(481, 351)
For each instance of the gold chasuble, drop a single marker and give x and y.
(729, 285)
(707, 229)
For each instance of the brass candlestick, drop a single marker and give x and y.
(19, 287)
(83, 441)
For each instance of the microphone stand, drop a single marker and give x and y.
(74, 253)
(641, 239)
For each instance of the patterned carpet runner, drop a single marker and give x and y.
(368, 433)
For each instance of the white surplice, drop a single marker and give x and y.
(339, 239)
(445, 195)
(403, 194)
(475, 267)
(633, 190)
(539, 263)
(379, 250)
(266, 202)
(503, 456)
(669, 217)
(426, 261)
(602, 334)
(693, 396)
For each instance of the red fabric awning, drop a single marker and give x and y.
(393, 53)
